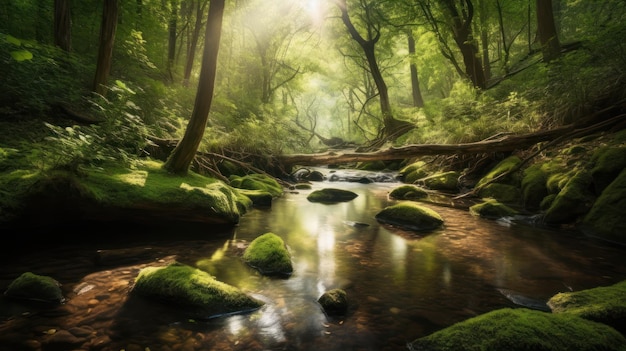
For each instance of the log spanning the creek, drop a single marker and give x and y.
(506, 143)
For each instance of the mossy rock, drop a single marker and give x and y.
(331, 195)
(410, 216)
(34, 287)
(371, 166)
(258, 197)
(557, 181)
(447, 181)
(198, 293)
(269, 255)
(408, 192)
(502, 192)
(257, 182)
(523, 329)
(606, 217)
(573, 201)
(302, 186)
(334, 302)
(534, 188)
(605, 304)
(503, 166)
(411, 173)
(492, 209)
(607, 162)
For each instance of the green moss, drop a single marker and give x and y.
(503, 166)
(606, 217)
(411, 216)
(574, 200)
(258, 197)
(408, 192)
(257, 182)
(268, 254)
(413, 172)
(607, 163)
(30, 286)
(557, 181)
(372, 165)
(534, 188)
(501, 192)
(334, 301)
(442, 181)
(493, 209)
(331, 195)
(197, 291)
(606, 304)
(523, 329)
(303, 186)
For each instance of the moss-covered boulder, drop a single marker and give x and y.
(607, 163)
(255, 181)
(606, 218)
(196, 292)
(410, 216)
(523, 329)
(502, 167)
(269, 255)
(574, 200)
(34, 287)
(502, 192)
(492, 209)
(533, 186)
(605, 304)
(334, 302)
(260, 198)
(331, 195)
(408, 192)
(414, 171)
(445, 181)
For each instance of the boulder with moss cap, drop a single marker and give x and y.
(269, 255)
(35, 287)
(198, 293)
(410, 216)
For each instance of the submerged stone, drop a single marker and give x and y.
(523, 329)
(410, 216)
(194, 290)
(331, 195)
(334, 302)
(492, 209)
(269, 255)
(30, 286)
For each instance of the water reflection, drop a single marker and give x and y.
(401, 285)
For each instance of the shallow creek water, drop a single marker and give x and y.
(401, 285)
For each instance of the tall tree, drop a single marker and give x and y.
(418, 101)
(172, 26)
(392, 127)
(193, 41)
(182, 156)
(105, 49)
(550, 46)
(62, 25)
(461, 14)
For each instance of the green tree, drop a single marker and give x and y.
(105, 49)
(62, 25)
(184, 153)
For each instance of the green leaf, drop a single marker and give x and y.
(13, 40)
(21, 55)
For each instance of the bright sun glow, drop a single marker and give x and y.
(314, 8)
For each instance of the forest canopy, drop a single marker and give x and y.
(295, 76)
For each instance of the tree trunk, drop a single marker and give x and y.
(462, 32)
(171, 47)
(392, 127)
(418, 101)
(184, 153)
(550, 46)
(191, 54)
(105, 49)
(62, 25)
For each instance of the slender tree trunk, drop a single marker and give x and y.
(484, 39)
(418, 101)
(392, 127)
(191, 54)
(184, 153)
(105, 48)
(62, 25)
(550, 46)
(172, 26)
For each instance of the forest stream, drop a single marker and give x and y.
(401, 285)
